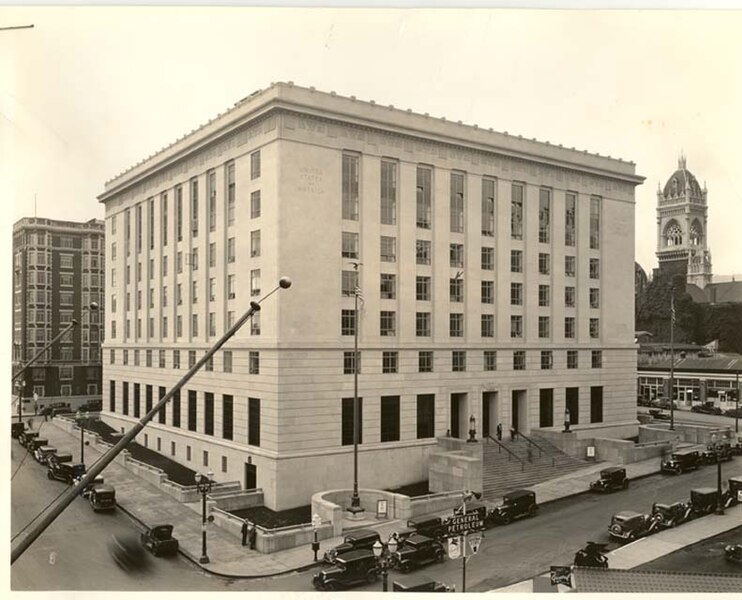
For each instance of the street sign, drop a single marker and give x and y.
(474, 541)
(454, 548)
(471, 521)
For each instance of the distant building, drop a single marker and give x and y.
(57, 273)
(496, 275)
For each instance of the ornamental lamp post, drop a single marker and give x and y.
(316, 522)
(204, 484)
(383, 553)
(566, 421)
(80, 416)
(472, 429)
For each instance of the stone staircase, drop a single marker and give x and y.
(505, 471)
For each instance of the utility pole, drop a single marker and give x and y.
(70, 494)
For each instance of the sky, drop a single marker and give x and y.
(90, 91)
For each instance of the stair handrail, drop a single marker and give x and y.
(509, 451)
(540, 449)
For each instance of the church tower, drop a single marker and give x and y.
(682, 217)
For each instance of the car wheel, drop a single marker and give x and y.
(49, 475)
(506, 518)
(532, 511)
(631, 537)
(405, 567)
(331, 586)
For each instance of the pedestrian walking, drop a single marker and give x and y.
(499, 432)
(512, 434)
(253, 535)
(529, 452)
(244, 530)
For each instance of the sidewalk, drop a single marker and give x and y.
(150, 506)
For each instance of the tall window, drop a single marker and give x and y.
(425, 361)
(253, 422)
(595, 223)
(594, 328)
(457, 202)
(516, 211)
(350, 187)
(547, 359)
(349, 362)
(425, 416)
(388, 286)
(544, 216)
(488, 326)
(594, 268)
(573, 404)
(151, 222)
(231, 195)
(227, 361)
(544, 327)
(350, 245)
(348, 322)
(544, 295)
(253, 367)
(422, 285)
(389, 418)
(423, 252)
(388, 249)
(255, 243)
(519, 360)
(179, 213)
(572, 359)
(349, 283)
(456, 290)
(569, 327)
(594, 297)
(569, 266)
(596, 404)
(255, 282)
(125, 407)
(209, 413)
(231, 252)
(255, 204)
(255, 165)
(488, 259)
(424, 177)
(516, 293)
(457, 255)
(544, 263)
(456, 324)
(422, 324)
(388, 192)
(597, 359)
(390, 361)
(194, 207)
(388, 323)
(516, 261)
(346, 420)
(570, 218)
(139, 228)
(516, 326)
(488, 292)
(227, 417)
(490, 360)
(488, 207)
(211, 193)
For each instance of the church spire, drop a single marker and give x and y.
(681, 160)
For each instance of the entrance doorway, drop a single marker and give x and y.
(490, 418)
(519, 410)
(251, 476)
(458, 414)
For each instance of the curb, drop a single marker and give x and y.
(195, 561)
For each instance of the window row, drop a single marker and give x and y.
(227, 360)
(388, 201)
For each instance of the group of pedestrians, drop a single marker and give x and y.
(513, 433)
(249, 533)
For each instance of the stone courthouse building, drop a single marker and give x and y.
(496, 276)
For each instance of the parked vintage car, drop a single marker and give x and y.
(415, 551)
(716, 452)
(681, 461)
(733, 553)
(44, 453)
(159, 540)
(706, 409)
(658, 414)
(65, 471)
(16, 429)
(733, 412)
(97, 480)
(36, 443)
(515, 504)
(63, 457)
(703, 501)
(420, 584)
(735, 490)
(362, 539)
(611, 479)
(433, 527)
(591, 555)
(629, 525)
(25, 437)
(101, 496)
(92, 406)
(672, 514)
(349, 569)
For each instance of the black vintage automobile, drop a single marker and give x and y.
(706, 409)
(733, 553)
(629, 525)
(35, 444)
(735, 490)
(355, 540)
(128, 553)
(420, 584)
(432, 527)
(671, 515)
(417, 550)
(25, 437)
(591, 555)
(611, 480)
(16, 429)
(160, 541)
(515, 504)
(716, 453)
(681, 461)
(65, 471)
(101, 496)
(352, 568)
(43, 454)
(703, 501)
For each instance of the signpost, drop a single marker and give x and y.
(458, 526)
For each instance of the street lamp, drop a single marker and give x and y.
(355, 500)
(719, 499)
(472, 430)
(316, 522)
(80, 416)
(383, 554)
(204, 484)
(19, 386)
(566, 421)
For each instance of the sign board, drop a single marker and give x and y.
(381, 509)
(454, 548)
(474, 542)
(561, 575)
(471, 521)
(591, 451)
